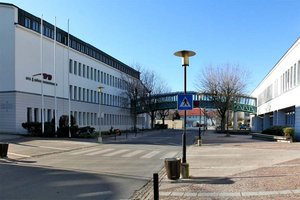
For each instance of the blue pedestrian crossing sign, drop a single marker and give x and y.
(185, 102)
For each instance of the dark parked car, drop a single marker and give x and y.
(243, 127)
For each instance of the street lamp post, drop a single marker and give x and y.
(99, 122)
(200, 121)
(184, 54)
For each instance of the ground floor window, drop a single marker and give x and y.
(290, 118)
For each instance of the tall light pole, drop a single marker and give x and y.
(100, 88)
(184, 54)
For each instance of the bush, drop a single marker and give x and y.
(86, 132)
(289, 132)
(33, 128)
(280, 131)
(274, 130)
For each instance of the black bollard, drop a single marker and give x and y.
(155, 186)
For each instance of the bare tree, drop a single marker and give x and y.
(132, 90)
(224, 83)
(155, 85)
(139, 92)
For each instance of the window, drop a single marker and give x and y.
(87, 72)
(98, 76)
(104, 78)
(87, 95)
(79, 93)
(79, 69)
(91, 99)
(36, 115)
(290, 118)
(70, 66)
(295, 75)
(92, 116)
(75, 67)
(95, 75)
(75, 92)
(83, 70)
(101, 77)
(104, 98)
(71, 92)
(49, 115)
(29, 114)
(91, 73)
(35, 26)
(75, 116)
(84, 118)
(79, 118)
(27, 22)
(83, 94)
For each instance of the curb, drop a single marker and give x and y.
(146, 191)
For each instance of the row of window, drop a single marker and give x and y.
(91, 73)
(34, 23)
(287, 81)
(83, 118)
(289, 119)
(93, 96)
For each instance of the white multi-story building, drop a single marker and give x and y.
(278, 94)
(37, 73)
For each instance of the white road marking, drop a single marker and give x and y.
(56, 148)
(131, 154)
(169, 155)
(20, 155)
(84, 151)
(151, 154)
(116, 152)
(93, 194)
(99, 152)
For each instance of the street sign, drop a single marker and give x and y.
(185, 102)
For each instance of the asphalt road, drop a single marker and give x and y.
(72, 169)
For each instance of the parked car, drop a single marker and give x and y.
(243, 127)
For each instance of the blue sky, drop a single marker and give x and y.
(251, 33)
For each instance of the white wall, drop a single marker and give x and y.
(7, 50)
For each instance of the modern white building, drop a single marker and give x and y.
(278, 94)
(39, 73)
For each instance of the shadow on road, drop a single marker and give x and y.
(36, 182)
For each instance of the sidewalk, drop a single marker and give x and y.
(237, 167)
(9, 137)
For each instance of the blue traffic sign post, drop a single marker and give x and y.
(185, 102)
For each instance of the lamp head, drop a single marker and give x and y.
(185, 54)
(100, 88)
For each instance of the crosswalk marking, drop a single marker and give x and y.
(99, 152)
(83, 152)
(19, 155)
(116, 152)
(131, 154)
(151, 154)
(169, 155)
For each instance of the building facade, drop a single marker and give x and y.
(278, 94)
(59, 74)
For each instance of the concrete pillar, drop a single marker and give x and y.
(266, 121)
(297, 123)
(275, 118)
(256, 123)
(235, 121)
(280, 118)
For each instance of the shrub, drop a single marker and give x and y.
(274, 130)
(289, 132)
(33, 128)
